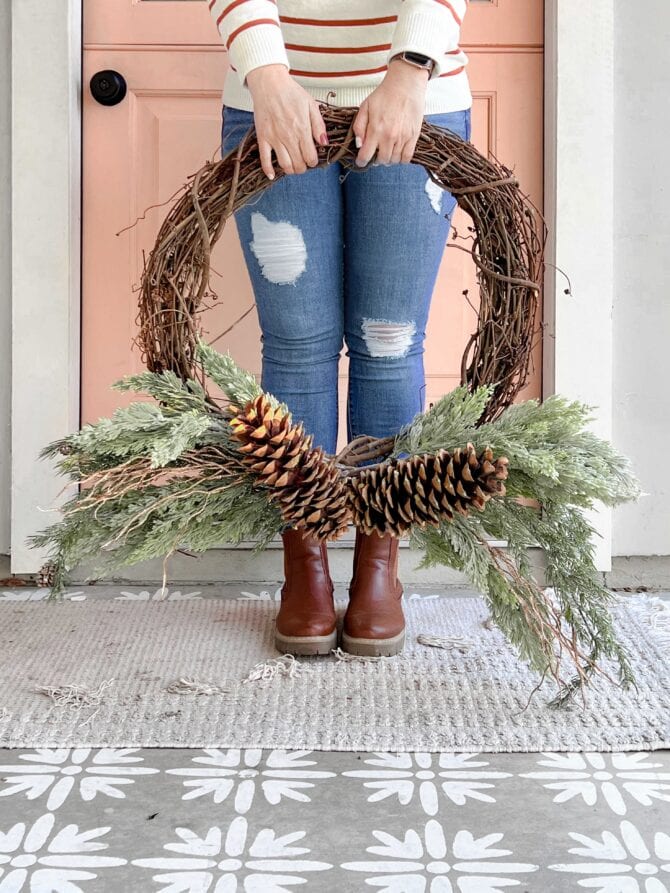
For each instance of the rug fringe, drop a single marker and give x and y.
(656, 612)
(285, 665)
(187, 685)
(72, 695)
(342, 655)
(462, 643)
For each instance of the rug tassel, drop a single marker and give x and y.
(659, 619)
(285, 665)
(74, 695)
(460, 642)
(340, 654)
(187, 685)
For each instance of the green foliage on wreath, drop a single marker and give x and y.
(553, 458)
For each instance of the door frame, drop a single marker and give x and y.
(46, 246)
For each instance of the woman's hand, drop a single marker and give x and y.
(287, 120)
(389, 119)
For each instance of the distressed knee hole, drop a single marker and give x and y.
(434, 193)
(387, 339)
(279, 247)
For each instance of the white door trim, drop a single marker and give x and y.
(46, 194)
(46, 245)
(579, 202)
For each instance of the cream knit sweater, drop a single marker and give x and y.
(343, 46)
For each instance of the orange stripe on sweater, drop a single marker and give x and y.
(329, 23)
(335, 74)
(448, 74)
(451, 10)
(246, 25)
(230, 8)
(319, 74)
(311, 49)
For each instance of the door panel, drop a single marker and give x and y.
(130, 22)
(138, 153)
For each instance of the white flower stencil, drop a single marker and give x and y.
(218, 862)
(90, 772)
(592, 775)
(33, 859)
(159, 595)
(406, 774)
(427, 863)
(35, 595)
(262, 596)
(621, 864)
(278, 774)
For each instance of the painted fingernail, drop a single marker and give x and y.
(359, 142)
(323, 139)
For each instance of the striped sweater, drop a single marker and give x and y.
(343, 46)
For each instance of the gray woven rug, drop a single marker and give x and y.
(205, 673)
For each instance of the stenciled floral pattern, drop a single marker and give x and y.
(423, 775)
(242, 774)
(621, 862)
(430, 860)
(43, 857)
(58, 773)
(612, 777)
(268, 860)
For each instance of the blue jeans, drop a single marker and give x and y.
(339, 256)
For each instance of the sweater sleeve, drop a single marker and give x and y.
(429, 27)
(251, 33)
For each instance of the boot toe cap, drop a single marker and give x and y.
(312, 625)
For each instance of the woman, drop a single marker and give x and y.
(343, 255)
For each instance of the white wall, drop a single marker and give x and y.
(641, 307)
(5, 269)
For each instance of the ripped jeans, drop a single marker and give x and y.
(339, 256)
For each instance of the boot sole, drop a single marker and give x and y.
(306, 644)
(373, 647)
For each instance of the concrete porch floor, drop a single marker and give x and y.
(264, 820)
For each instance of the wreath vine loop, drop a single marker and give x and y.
(507, 237)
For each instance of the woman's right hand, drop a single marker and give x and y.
(287, 120)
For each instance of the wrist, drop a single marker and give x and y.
(262, 74)
(400, 68)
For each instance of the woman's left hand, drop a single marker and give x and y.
(389, 120)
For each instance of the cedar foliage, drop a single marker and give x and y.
(158, 477)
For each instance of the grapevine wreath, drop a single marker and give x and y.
(187, 470)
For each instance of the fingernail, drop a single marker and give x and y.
(323, 139)
(271, 176)
(359, 142)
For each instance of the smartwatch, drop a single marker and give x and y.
(416, 59)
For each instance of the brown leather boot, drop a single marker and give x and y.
(306, 622)
(374, 623)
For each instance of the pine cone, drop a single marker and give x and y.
(305, 482)
(46, 574)
(425, 489)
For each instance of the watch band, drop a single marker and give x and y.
(416, 59)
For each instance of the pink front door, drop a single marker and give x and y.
(139, 152)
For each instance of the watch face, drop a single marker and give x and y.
(417, 57)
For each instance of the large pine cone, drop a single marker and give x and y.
(425, 489)
(303, 480)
